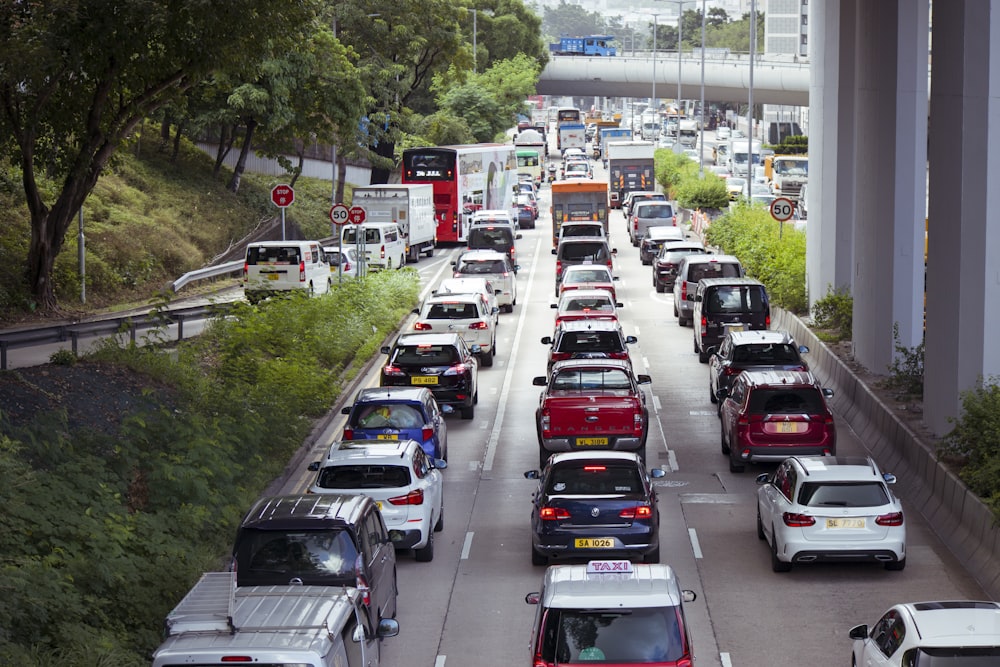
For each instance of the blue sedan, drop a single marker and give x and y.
(399, 413)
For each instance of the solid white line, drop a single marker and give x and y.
(695, 547)
(672, 460)
(467, 547)
(491, 445)
(439, 662)
(724, 659)
(656, 403)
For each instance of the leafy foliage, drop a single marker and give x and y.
(974, 442)
(768, 251)
(906, 372)
(94, 522)
(835, 313)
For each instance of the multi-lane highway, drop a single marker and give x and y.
(466, 608)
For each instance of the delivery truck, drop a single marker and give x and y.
(630, 167)
(410, 207)
(578, 200)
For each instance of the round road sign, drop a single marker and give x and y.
(357, 215)
(782, 209)
(339, 214)
(282, 196)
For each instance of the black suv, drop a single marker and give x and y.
(318, 540)
(588, 339)
(752, 350)
(441, 362)
(668, 258)
(580, 250)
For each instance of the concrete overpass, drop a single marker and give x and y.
(776, 80)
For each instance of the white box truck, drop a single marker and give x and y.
(218, 624)
(630, 167)
(410, 207)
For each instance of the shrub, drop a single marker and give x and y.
(702, 193)
(907, 367)
(974, 442)
(835, 312)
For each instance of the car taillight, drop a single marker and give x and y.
(348, 434)
(793, 520)
(347, 266)
(891, 519)
(558, 268)
(412, 498)
(426, 433)
(457, 369)
(246, 272)
(545, 422)
(639, 512)
(421, 326)
(704, 325)
(381, 252)
(767, 321)
(302, 272)
(479, 326)
(637, 423)
(553, 514)
(684, 290)
(731, 371)
(389, 369)
(559, 356)
(635, 223)
(618, 355)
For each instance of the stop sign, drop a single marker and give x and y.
(356, 215)
(282, 196)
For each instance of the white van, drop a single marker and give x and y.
(219, 624)
(384, 244)
(281, 266)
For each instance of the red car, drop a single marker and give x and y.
(771, 415)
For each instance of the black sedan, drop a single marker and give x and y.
(594, 505)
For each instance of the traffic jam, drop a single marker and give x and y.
(588, 445)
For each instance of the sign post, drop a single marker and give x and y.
(782, 210)
(338, 216)
(282, 196)
(357, 216)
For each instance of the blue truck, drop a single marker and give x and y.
(591, 45)
(606, 134)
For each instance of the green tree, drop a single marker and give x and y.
(571, 19)
(504, 29)
(77, 79)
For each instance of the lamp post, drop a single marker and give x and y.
(753, 51)
(680, 35)
(701, 119)
(475, 64)
(652, 100)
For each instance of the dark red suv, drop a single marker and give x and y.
(771, 415)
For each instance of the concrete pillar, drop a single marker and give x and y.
(890, 121)
(829, 230)
(963, 259)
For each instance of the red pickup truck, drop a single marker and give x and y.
(591, 404)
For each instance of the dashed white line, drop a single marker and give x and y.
(656, 403)
(439, 662)
(695, 547)
(723, 658)
(467, 546)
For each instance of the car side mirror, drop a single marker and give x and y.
(828, 392)
(657, 473)
(803, 349)
(476, 348)
(631, 339)
(858, 632)
(385, 349)
(764, 478)
(387, 627)
(619, 305)
(722, 393)
(643, 379)
(517, 267)
(494, 310)
(539, 381)
(553, 305)
(415, 311)
(553, 251)
(889, 478)
(546, 340)
(614, 277)
(440, 464)
(532, 474)
(314, 466)
(614, 251)
(517, 236)
(345, 411)
(688, 596)
(533, 598)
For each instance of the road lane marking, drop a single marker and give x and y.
(695, 547)
(491, 445)
(723, 658)
(467, 546)
(439, 662)
(656, 403)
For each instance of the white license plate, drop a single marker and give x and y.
(835, 524)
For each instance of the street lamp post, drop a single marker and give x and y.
(753, 52)
(680, 35)
(652, 100)
(701, 119)
(474, 49)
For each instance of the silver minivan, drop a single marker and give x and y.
(690, 271)
(646, 214)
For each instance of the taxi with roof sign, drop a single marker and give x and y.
(612, 612)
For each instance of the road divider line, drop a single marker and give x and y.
(724, 659)
(439, 661)
(491, 445)
(467, 545)
(695, 546)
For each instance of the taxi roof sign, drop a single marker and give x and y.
(609, 567)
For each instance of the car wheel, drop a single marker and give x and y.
(486, 359)
(646, 262)
(469, 412)
(711, 394)
(653, 556)
(439, 526)
(475, 398)
(658, 286)
(703, 357)
(724, 443)
(760, 526)
(777, 565)
(543, 457)
(896, 565)
(695, 343)
(677, 314)
(538, 558)
(734, 465)
(426, 554)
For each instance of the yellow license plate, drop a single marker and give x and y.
(591, 442)
(273, 276)
(387, 436)
(594, 543)
(379, 503)
(734, 327)
(788, 427)
(424, 379)
(845, 523)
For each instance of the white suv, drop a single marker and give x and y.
(956, 633)
(468, 315)
(482, 286)
(401, 479)
(821, 508)
(494, 266)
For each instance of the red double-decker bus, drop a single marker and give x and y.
(466, 178)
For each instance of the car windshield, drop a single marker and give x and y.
(272, 255)
(320, 553)
(477, 267)
(587, 276)
(619, 636)
(426, 355)
(676, 255)
(713, 270)
(786, 401)
(766, 353)
(843, 494)
(577, 379)
(364, 476)
(489, 237)
(953, 657)
(588, 303)
(660, 211)
(387, 415)
(591, 478)
(736, 299)
(452, 311)
(583, 251)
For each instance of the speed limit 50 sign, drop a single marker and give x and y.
(782, 209)
(339, 214)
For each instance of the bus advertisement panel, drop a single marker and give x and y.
(578, 200)
(466, 178)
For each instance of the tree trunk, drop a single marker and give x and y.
(177, 142)
(300, 151)
(227, 134)
(341, 175)
(387, 150)
(241, 163)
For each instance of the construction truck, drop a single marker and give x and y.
(786, 174)
(630, 167)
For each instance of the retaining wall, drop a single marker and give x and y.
(957, 516)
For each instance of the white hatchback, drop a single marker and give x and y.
(406, 485)
(821, 508)
(467, 315)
